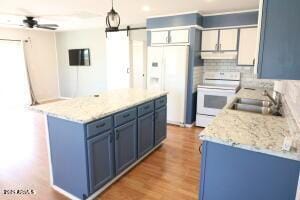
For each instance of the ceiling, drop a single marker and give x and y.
(79, 14)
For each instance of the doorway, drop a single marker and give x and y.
(139, 64)
(126, 59)
(118, 64)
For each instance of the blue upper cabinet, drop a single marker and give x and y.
(279, 48)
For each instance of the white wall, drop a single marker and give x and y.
(41, 56)
(91, 79)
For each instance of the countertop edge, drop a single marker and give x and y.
(32, 108)
(286, 155)
(292, 155)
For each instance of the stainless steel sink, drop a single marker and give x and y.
(252, 105)
(254, 102)
(252, 108)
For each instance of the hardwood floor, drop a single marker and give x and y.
(170, 172)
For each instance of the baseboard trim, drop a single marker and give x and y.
(182, 125)
(66, 98)
(95, 194)
(190, 125)
(65, 193)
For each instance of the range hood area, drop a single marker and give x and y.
(230, 55)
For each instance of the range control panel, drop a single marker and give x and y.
(234, 76)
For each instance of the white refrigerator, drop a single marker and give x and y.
(167, 69)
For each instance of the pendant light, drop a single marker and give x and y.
(112, 19)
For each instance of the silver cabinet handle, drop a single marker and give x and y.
(253, 61)
(200, 148)
(216, 47)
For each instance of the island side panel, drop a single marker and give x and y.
(235, 174)
(68, 156)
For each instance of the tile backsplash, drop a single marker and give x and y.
(248, 78)
(291, 93)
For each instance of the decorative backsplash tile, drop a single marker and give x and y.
(197, 77)
(292, 97)
(248, 78)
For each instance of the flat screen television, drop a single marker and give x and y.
(79, 57)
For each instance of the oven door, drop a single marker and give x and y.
(212, 101)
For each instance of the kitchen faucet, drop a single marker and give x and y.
(277, 104)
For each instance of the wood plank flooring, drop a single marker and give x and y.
(170, 172)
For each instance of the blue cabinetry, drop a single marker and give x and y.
(125, 145)
(100, 160)
(145, 134)
(231, 173)
(160, 124)
(279, 40)
(86, 157)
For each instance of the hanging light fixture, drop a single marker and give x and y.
(112, 19)
(113, 22)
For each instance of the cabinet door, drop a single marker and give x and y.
(228, 40)
(279, 40)
(160, 131)
(125, 145)
(179, 36)
(100, 158)
(210, 40)
(247, 46)
(159, 37)
(145, 134)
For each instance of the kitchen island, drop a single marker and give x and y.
(242, 156)
(94, 140)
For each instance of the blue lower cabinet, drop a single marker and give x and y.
(100, 159)
(160, 121)
(86, 157)
(231, 173)
(125, 145)
(145, 134)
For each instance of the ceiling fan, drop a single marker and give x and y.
(29, 22)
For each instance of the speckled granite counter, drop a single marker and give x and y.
(90, 108)
(251, 131)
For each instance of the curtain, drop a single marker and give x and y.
(26, 43)
(13, 86)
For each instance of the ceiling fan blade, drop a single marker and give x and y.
(51, 25)
(45, 27)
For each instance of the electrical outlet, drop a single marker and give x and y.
(287, 144)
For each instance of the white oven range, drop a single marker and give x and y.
(216, 91)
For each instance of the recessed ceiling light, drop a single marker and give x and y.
(146, 8)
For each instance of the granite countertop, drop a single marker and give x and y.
(250, 131)
(90, 108)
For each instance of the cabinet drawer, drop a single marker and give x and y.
(145, 108)
(125, 116)
(99, 126)
(160, 102)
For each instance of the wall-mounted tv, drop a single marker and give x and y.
(79, 57)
